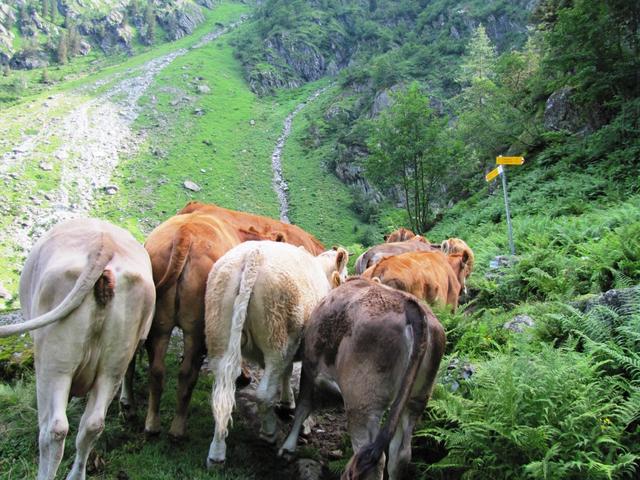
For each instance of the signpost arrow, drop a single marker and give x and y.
(509, 160)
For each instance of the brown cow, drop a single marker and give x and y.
(456, 245)
(256, 227)
(183, 250)
(378, 252)
(380, 349)
(400, 235)
(432, 276)
(87, 288)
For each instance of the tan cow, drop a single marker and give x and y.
(259, 297)
(87, 288)
(378, 252)
(432, 276)
(380, 349)
(400, 235)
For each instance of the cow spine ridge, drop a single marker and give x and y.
(179, 254)
(86, 283)
(367, 458)
(223, 396)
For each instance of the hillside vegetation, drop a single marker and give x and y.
(541, 377)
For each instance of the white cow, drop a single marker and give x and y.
(259, 296)
(88, 289)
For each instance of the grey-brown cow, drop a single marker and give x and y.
(87, 288)
(379, 348)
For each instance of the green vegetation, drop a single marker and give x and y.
(559, 400)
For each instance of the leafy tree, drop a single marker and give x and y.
(493, 113)
(44, 8)
(408, 148)
(53, 8)
(594, 47)
(150, 24)
(62, 52)
(480, 61)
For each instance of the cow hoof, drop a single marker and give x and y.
(284, 411)
(270, 439)
(127, 411)
(243, 380)
(286, 455)
(173, 438)
(214, 464)
(152, 433)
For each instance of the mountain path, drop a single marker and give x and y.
(92, 138)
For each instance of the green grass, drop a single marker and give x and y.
(123, 447)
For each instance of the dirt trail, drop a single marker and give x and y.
(93, 136)
(279, 183)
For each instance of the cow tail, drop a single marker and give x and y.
(369, 456)
(179, 253)
(87, 281)
(229, 366)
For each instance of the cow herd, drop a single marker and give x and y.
(240, 287)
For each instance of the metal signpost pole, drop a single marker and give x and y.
(506, 207)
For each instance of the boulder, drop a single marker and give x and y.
(111, 189)
(561, 113)
(29, 59)
(85, 48)
(519, 323)
(189, 185)
(622, 300)
(203, 88)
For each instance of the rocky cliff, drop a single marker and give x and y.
(31, 31)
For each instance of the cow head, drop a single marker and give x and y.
(399, 235)
(456, 245)
(334, 264)
(460, 264)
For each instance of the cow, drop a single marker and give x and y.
(378, 252)
(183, 250)
(378, 349)
(400, 235)
(431, 276)
(87, 293)
(259, 297)
(256, 227)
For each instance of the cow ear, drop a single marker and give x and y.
(444, 246)
(465, 257)
(336, 281)
(341, 259)
(279, 237)
(386, 237)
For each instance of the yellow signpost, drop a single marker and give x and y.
(509, 160)
(493, 173)
(500, 161)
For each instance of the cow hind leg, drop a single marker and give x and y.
(54, 426)
(127, 403)
(194, 350)
(363, 428)
(92, 423)
(157, 349)
(287, 404)
(400, 446)
(267, 394)
(303, 409)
